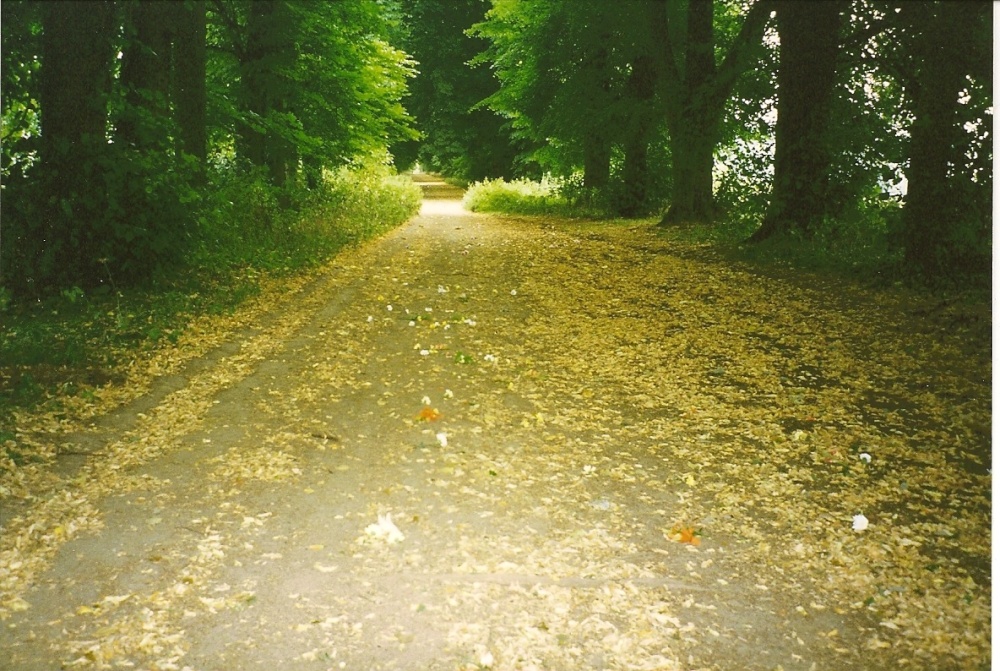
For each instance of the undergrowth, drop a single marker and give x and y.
(523, 196)
(70, 343)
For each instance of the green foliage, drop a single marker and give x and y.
(457, 139)
(76, 339)
(319, 80)
(550, 196)
(249, 222)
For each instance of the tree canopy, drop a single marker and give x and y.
(846, 119)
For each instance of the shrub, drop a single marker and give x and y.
(519, 196)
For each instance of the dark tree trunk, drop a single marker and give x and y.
(251, 136)
(596, 162)
(75, 81)
(145, 75)
(942, 64)
(640, 89)
(807, 69)
(190, 94)
(596, 141)
(695, 94)
(263, 80)
(693, 145)
(695, 130)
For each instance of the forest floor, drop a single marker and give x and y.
(485, 442)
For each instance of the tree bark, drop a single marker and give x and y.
(807, 69)
(695, 93)
(75, 81)
(267, 53)
(596, 162)
(145, 74)
(640, 88)
(930, 208)
(190, 94)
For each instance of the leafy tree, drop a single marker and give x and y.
(316, 83)
(459, 137)
(947, 196)
(695, 91)
(578, 83)
(809, 36)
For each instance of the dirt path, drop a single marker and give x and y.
(483, 442)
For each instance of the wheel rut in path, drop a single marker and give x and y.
(402, 471)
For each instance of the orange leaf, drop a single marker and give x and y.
(685, 535)
(429, 414)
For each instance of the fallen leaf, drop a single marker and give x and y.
(429, 414)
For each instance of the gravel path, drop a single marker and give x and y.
(483, 442)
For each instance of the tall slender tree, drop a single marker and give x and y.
(189, 81)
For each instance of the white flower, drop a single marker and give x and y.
(424, 352)
(448, 393)
(386, 529)
(486, 660)
(860, 523)
(442, 290)
(588, 469)
(426, 400)
(370, 319)
(865, 457)
(490, 357)
(389, 308)
(442, 438)
(413, 323)
(513, 292)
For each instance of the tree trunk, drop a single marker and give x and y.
(75, 82)
(190, 94)
(695, 133)
(596, 141)
(695, 95)
(930, 206)
(596, 162)
(693, 142)
(250, 136)
(640, 89)
(807, 69)
(145, 75)
(263, 83)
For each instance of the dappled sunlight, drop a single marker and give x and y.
(441, 199)
(442, 208)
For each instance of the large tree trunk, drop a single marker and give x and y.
(596, 162)
(807, 69)
(145, 75)
(640, 88)
(75, 81)
(694, 131)
(263, 85)
(696, 94)
(931, 204)
(190, 94)
(693, 141)
(251, 136)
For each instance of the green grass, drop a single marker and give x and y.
(522, 196)
(75, 341)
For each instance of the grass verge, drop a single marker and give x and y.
(70, 344)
